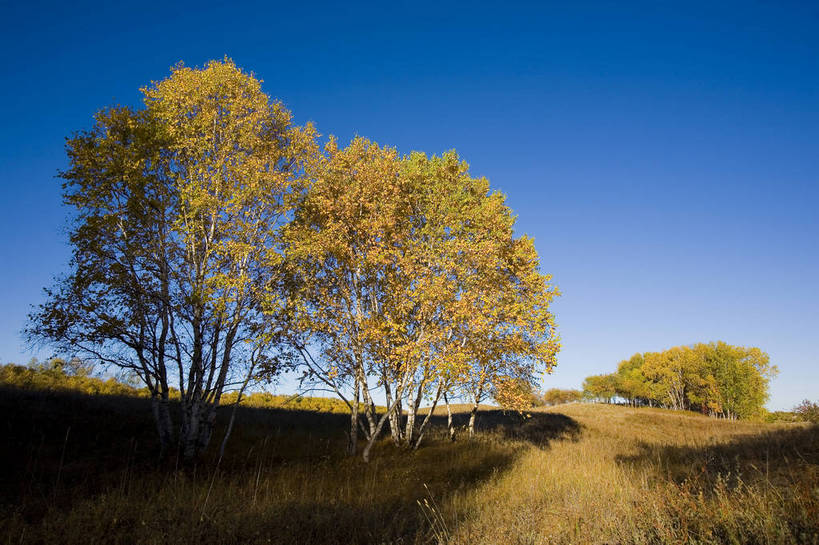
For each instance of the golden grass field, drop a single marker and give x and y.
(79, 469)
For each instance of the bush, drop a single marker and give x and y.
(808, 411)
(788, 417)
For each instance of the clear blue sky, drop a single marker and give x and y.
(665, 156)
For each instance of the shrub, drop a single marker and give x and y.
(808, 411)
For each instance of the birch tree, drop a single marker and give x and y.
(176, 252)
(445, 225)
(343, 248)
(737, 379)
(512, 333)
(676, 372)
(408, 269)
(631, 384)
(714, 378)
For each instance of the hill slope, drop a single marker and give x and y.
(656, 476)
(80, 469)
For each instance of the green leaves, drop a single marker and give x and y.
(714, 378)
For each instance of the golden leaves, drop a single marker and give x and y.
(415, 264)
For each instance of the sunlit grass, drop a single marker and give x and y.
(654, 476)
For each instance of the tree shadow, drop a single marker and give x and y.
(778, 457)
(379, 502)
(536, 428)
(58, 440)
(388, 506)
(284, 479)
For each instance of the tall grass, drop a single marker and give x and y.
(654, 476)
(570, 474)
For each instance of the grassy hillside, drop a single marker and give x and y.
(80, 469)
(655, 476)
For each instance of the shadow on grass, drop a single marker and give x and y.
(780, 456)
(85, 467)
(758, 488)
(537, 428)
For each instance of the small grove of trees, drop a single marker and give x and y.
(602, 388)
(556, 396)
(409, 280)
(215, 241)
(713, 378)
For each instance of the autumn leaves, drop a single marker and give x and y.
(714, 378)
(412, 283)
(216, 241)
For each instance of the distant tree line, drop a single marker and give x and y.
(78, 376)
(74, 375)
(715, 378)
(557, 396)
(215, 243)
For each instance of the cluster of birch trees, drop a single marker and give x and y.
(715, 378)
(558, 396)
(215, 242)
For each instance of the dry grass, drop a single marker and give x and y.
(572, 474)
(653, 476)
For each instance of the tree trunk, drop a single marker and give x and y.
(371, 440)
(235, 407)
(352, 443)
(206, 424)
(421, 430)
(449, 424)
(164, 424)
(189, 433)
(369, 405)
(395, 423)
(229, 428)
(412, 413)
(366, 454)
(409, 429)
(472, 414)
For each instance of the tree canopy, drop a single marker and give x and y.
(177, 209)
(714, 378)
(557, 396)
(214, 241)
(410, 279)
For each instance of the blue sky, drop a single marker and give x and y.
(663, 155)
